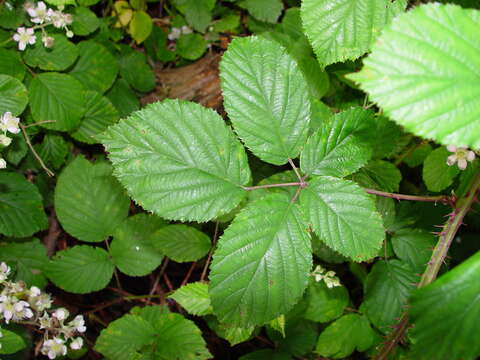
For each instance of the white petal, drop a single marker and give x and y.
(21, 30)
(30, 31)
(451, 148)
(470, 156)
(22, 46)
(16, 37)
(452, 159)
(462, 164)
(32, 40)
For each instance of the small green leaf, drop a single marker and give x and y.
(80, 269)
(191, 46)
(261, 266)
(380, 175)
(132, 248)
(134, 69)
(344, 216)
(266, 97)
(17, 150)
(418, 156)
(437, 175)
(89, 202)
(300, 338)
(84, 21)
(182, 243)
(29, 259)
(11, 64)
(21, 208)
(387, 289)
(123, 98)
(341, 146)
(194, 298)
(58, 58)
(53, 150)
(13, 95)
(57, 97)
(386, 138)
(345, 29)
(449, 310)
(346, 334)
(431, 77)
(234, 335)
(198, 13)
(265, 10)
(140, 26)
(266, 354)
(10, 342)
(179, 160)
(96, 67)
(325, 304)
(414, 246)
(99, 116)
(60, 2)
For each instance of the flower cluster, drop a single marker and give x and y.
(461, 156)
(327, 276)
(42, 17)
(8, 124)
(175, 33)
(19, 304)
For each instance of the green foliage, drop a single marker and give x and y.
(194, 298)
(266, 10)
(10, 342)
(325, 304)
(13, 95)
(59, 58)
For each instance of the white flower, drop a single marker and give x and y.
(78, 323)
(12, 309)
(54, 347)
(39, 14)
(59, 19)
(35, 291)
(24, 37)
(186, 30)
(461, 156)
(174, 33)
(47, 41)
(39, 301)
(22, 310)
(45, 321)
(77, 343)
(60, 314)
(4, 270)
(3, 164)
(5, 140)
(8, 122)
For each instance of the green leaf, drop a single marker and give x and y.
(11, 64)
(17, 150)
(344, 216)
(29, 259)
(198, 13)
(387, 136)
(262, 263)
(58, 97)
(341, 146)
(61, 56)
(346, 334)
(96, 67)
(84, 21)
(132, 248)
(437, 175)
(266, 354)
(317, 79)
(414, 246)
(21, 208)
(266, 97)
(13, 95)
(345, 29)
(11, 17)
(325, 304)
(60, 2)
(123, 98)
(265, 10)
(134, 69)
(228, 23)
(387, 289)
(140, 26)
(125, 337)
(300, 338)
(279, 178)
(10, 342)
(234, 335)
(179, 160)
(449, 310)
(191, 46)
(89, 202)
(380, 175)
(418, 156)
(194, 298)
(431, 76)
(182, 243)
(99, 116)
(80, 269)
(53, 150)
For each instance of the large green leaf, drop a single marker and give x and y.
(132, 247)
(449, 310)
(11, 342)
(96, 68)
(345, 29)
(57, 97)
(84, 21)
(342, 145)
(62, 55)
(414, 246)
(21, 208)
(80, 269)
(343, 336)
(179, 160)
(89, 202)
(437, 175)
(387, 289)
(265, 10)
(344, 216)
(181, 243)
(13, 95)
(266, 98)
(194, 298)
(99, 116)
(261, 266)
(423, 72)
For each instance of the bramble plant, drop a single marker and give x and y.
(321, 213)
